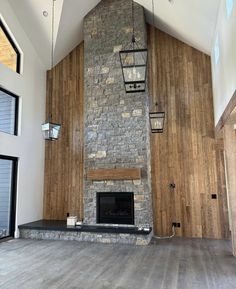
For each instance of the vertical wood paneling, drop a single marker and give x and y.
(187, 153)
(63, 192)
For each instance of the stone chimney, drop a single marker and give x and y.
(116, 123)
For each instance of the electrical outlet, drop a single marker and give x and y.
(176, 225)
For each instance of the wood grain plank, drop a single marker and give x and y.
(114, 174)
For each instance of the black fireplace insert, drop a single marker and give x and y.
(115, 208)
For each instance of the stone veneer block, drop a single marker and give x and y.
(116, 123)
(137, 112)
(117, 48)
(126, 114)
(101, 154)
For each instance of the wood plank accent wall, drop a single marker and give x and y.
(63, 192)
(187, 153)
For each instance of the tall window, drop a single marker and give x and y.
(9, 54)
(8, 173)
(8, 112)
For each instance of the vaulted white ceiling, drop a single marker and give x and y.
(192, 21)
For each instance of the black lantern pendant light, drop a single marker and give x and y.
(157, 118)
(134, 65)
(51, 130)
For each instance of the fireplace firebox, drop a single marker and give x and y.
(115, 208)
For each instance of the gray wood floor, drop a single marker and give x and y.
(169, 264)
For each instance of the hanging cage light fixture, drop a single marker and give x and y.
(134, 64)
(157, 121)
(50, 129)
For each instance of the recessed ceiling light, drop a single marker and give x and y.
(45, 13)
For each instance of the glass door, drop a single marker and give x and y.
(8, 174)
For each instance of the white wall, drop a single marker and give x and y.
(224, 73)
(29, 145)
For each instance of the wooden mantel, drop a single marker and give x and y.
(114, 174)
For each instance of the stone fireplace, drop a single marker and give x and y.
(117, 183)
(116, 123)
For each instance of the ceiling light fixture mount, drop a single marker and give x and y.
(45, 13)
(50, 129)
(134, 64)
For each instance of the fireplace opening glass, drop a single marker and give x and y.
(115, 208)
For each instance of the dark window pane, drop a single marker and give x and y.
(8, 112)
(6, 167)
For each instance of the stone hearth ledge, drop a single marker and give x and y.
(106, 238)
(58, 230)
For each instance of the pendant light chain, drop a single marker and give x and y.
(133, 35)
(153, 15)
(52, 60)
(153, 24)
(52, 50)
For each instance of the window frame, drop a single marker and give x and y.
(14, 46)
(13, 199)
(16, 120)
